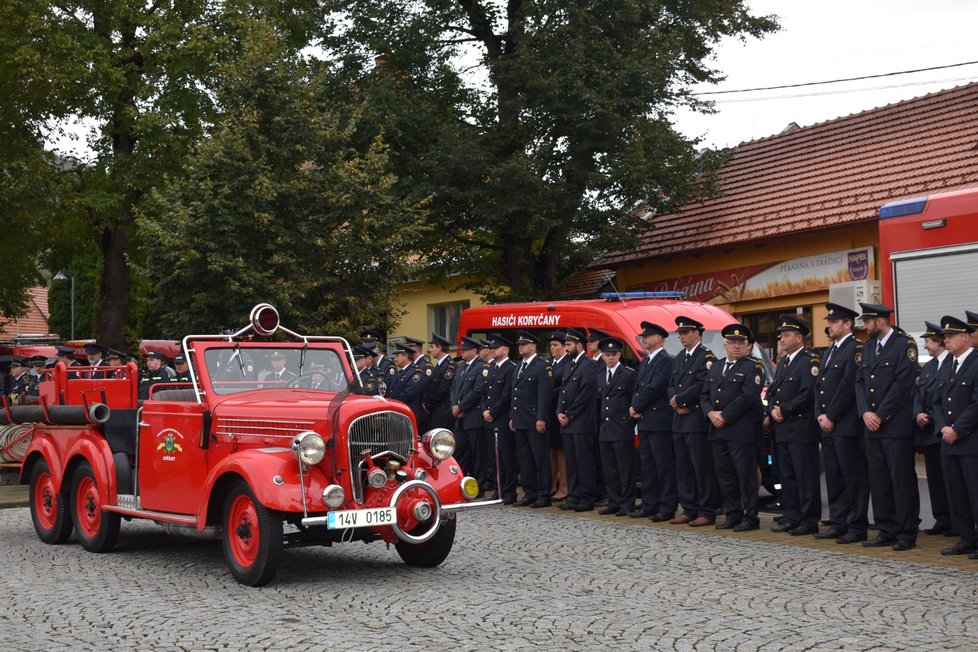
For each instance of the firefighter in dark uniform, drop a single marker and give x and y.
(843, 442)
(94, 353)
(66, 356)
(485, 447)
(529, 407)
(698, 490)
(436, 401)
(383, 364)
(153, 374)
(731, 401)
(956, 419)
(407, 385)
(885, 383)
(182, 369)
(559, 360)
(370, 378)
(35, 376)
(653, 417)
(18, 383)
(471, 444)
(791, 412)
(577, 415)
(495, 413)
(926, 437)
(417, 347)
(616, 433)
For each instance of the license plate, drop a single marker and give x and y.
(360, 518)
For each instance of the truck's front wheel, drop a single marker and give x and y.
(433, 551)
(98, 530)
(252, 537)
(49, 510)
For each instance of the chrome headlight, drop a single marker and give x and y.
(334, 496)
(439, 443)
(310, 447)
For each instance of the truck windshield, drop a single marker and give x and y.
(237, 368)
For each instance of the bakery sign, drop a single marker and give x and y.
(766, 280)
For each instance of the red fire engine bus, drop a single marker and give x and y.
(929, 256)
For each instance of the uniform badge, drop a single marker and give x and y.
(757, 380)
(859, 357)
(550, 370)
(427, 372)
(814, 371)
(449, 373)
(485, 373)
(912, 353)
(709, 364)
(416, 376)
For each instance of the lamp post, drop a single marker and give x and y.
(60, 276)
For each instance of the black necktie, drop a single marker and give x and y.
(954, 367)
(828, 356)
(522, 367)
(726, 367)
(879, 349)
(609, 376)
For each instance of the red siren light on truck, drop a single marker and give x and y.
(264, 319)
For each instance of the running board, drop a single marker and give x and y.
(183, 519)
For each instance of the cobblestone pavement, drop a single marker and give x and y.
(517, 580)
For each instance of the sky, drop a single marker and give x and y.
(828, 40)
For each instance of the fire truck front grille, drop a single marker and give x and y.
(261, 428)
(379, 432)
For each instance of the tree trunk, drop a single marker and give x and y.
(113, 313)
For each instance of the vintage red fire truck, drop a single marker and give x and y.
(259, 459)
(925, 244)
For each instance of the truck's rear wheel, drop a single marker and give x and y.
(252, 536)
(433, 551)
(49, 510)
(97, 529)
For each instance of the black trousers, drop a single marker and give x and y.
(961, 479)
(848, 454)
(893, 487)
(618, 468)
(699, 493)
(736, 467)
(508, 466)
(660, 494)
(581, 467)
(533, 456)
(835, 484)
(463, 451)
(939, 506)
(483, 446)
(801, 491)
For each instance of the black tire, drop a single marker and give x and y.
(98, 530)
(433, 551)
(49, 508)
(253, 557)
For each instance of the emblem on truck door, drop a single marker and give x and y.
(169, 444)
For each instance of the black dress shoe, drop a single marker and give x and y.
(851, 537)
(540, 502)
(959, 548)
(728, 524)
(661, 518)
(640, 513)
(937, 529)
(747, 525)
(802, 530)
(609, 509)
(509, 501)
(880, 541)
(831, 533)
(973, 555)
(624, 511)
(567, 505)
(526, 502)
(900, 546)
(584, 507)
(783, 526)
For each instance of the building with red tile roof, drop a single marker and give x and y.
(797, 211)
(33, 323)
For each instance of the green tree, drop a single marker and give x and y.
(278, 206)
(535, 127)
(142, 73)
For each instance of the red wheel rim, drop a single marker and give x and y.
(45, 501)
(87, 508)
(243, 531)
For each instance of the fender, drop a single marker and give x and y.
(44, 447)
(258, 466)
(96, 452)
(447, 484)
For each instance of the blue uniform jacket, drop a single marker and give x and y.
(956, 405)
(738, 397)
(616, 397)
(885, 383)
(651, 396)
(835, 389)
(686, 384)
(531, 394)
(793, 390)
